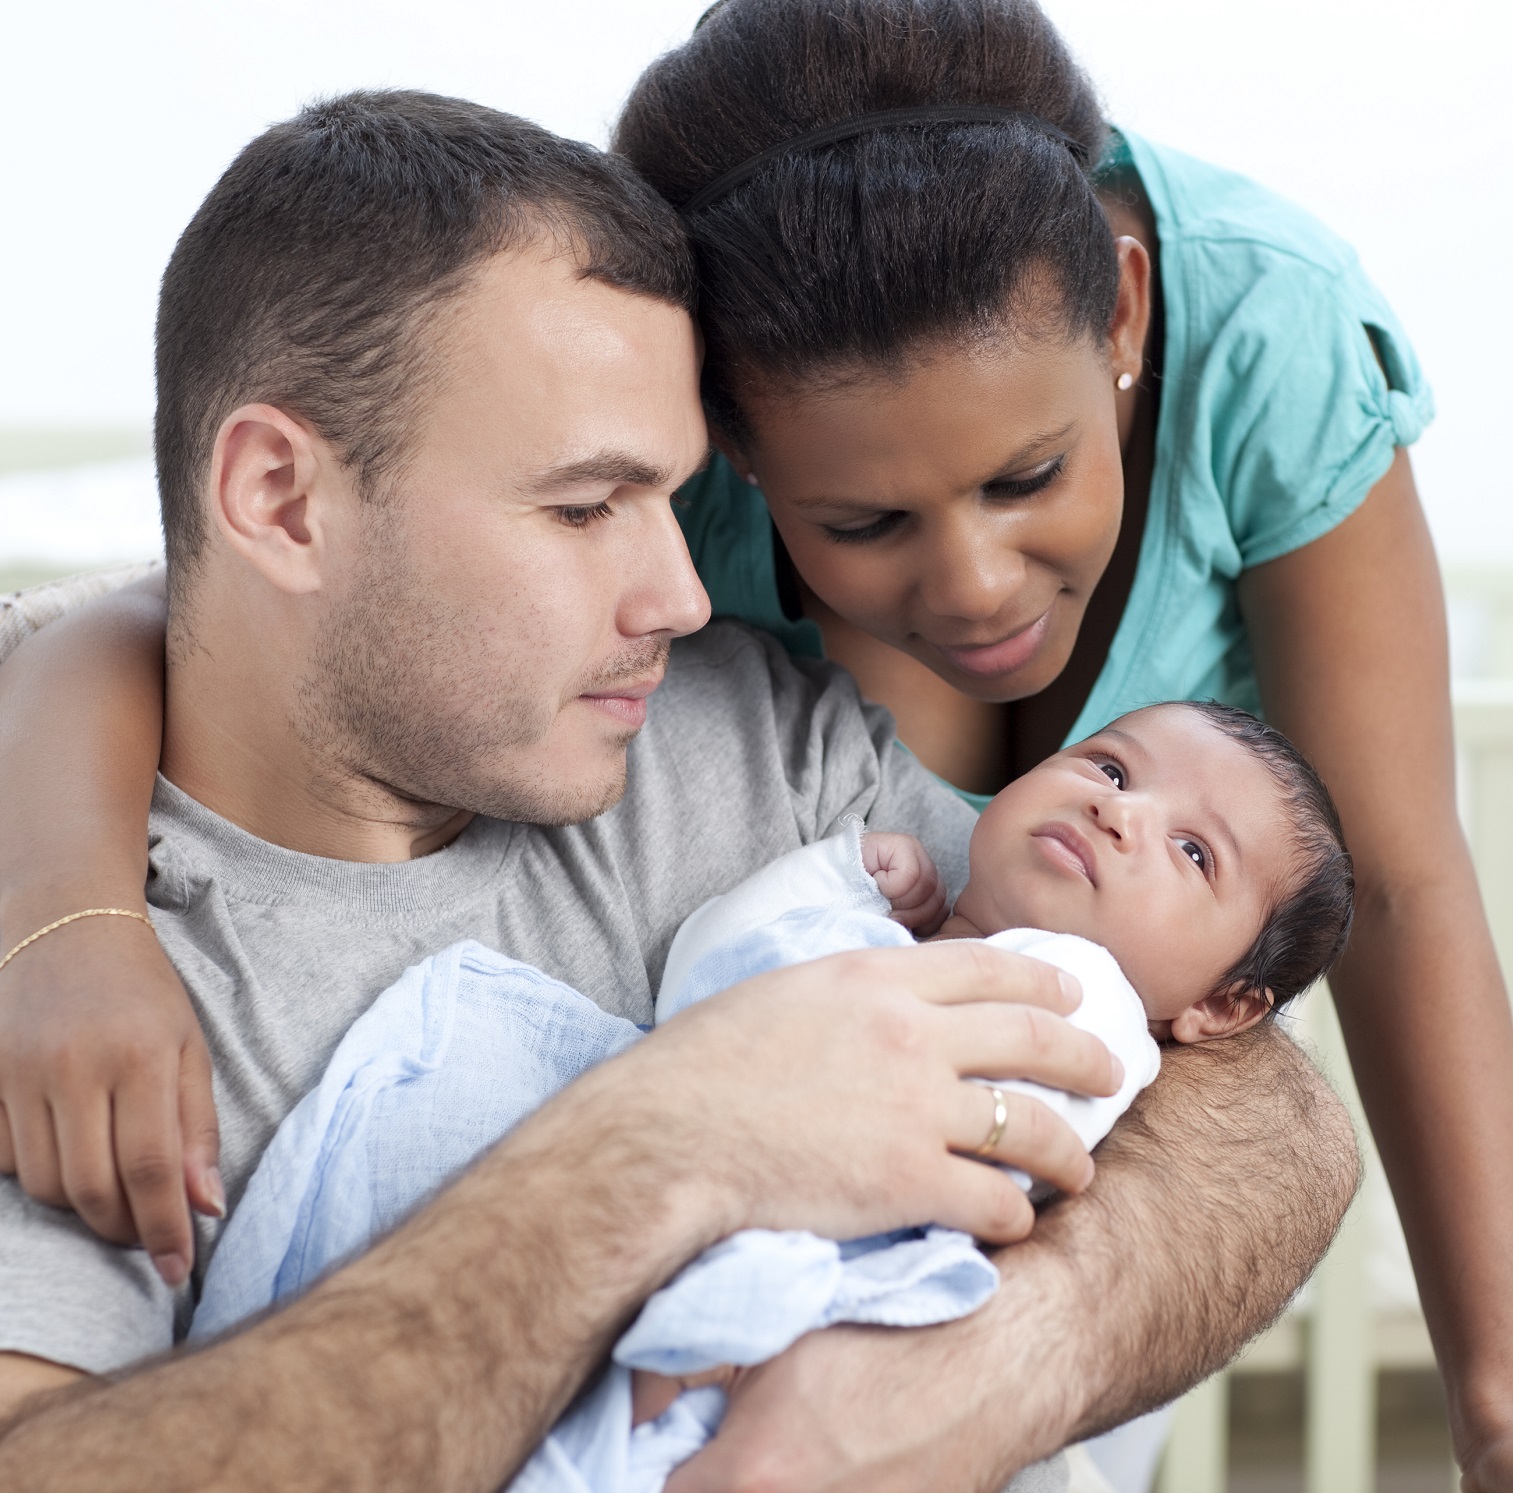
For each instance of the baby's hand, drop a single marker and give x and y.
(105, 1099)
(907, 877)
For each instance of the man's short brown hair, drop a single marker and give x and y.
(308, 275)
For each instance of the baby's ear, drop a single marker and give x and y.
(1222, 1014)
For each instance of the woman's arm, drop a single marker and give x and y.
(1350, 643)
(105, 1102)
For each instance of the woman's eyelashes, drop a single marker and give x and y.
(1000, 489)
(885, 524)
(1026, 486)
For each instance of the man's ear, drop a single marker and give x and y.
(265, 484)
(1132, 310)
(1222, 1014)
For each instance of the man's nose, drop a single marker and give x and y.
(663, 592)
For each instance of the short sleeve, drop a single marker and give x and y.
(69, 1297)
(1313, 387)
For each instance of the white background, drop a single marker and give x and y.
(1387, 118)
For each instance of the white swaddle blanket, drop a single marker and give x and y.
(468, 1043)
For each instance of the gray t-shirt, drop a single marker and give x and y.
(746, 755)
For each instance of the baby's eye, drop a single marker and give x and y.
(1113, 772)
(1195, 853)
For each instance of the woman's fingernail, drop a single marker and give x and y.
(215, 1191)
(1087, 1176)
(173, 1268)
(1118, 1070)
(1069, 988)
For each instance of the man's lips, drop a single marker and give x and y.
(1069, 848)
(1004, 656)
(626, 702)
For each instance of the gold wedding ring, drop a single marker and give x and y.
(1000, 1121)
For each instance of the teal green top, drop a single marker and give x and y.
(1286, 384)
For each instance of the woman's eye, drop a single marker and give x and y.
(1025, 487)
(1195, 853)
(875, 530)
(581, 518)
(1113, 772)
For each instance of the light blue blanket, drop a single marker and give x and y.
(467, 1044)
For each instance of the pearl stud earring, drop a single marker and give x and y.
(1125, 381)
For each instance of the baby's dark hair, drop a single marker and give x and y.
(1309, 924)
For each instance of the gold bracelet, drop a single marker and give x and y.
(73, 917)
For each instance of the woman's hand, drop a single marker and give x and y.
(105, 1102)
(105, 1097)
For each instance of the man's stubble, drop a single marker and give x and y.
(406, 700)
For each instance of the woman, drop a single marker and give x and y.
(1051, 423)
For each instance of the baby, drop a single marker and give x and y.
(1186, 864)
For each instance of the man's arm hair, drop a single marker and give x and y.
(825, 1096)
(1215, 1197)
(438, 1359)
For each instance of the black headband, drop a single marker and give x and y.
(862, 124)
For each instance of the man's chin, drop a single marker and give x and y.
(557, 794)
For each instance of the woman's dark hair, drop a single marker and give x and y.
(1309, 923)
(854, 254)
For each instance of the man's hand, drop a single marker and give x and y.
(855, 1410)
(1117, 1303)
(830, 1095)
(105, 1099)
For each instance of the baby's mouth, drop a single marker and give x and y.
(1068, 847)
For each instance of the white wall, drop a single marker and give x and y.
(1385, 117)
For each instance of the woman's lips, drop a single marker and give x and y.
(1067, 848)
(1004, 656)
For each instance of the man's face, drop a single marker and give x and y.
(1160, 838)
(497, 618)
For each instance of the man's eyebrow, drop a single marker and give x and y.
(1031, 451)
(623, 468)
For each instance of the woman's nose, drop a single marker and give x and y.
(971, 579)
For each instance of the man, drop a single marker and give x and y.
(427, 380)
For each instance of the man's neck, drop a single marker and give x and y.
(229, 743)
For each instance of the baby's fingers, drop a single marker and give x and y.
(150, 1159)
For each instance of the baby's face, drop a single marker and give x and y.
(1159, 838)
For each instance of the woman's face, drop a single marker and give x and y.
(961, 510)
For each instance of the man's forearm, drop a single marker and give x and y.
(438, 1360)
(1215, 1197)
